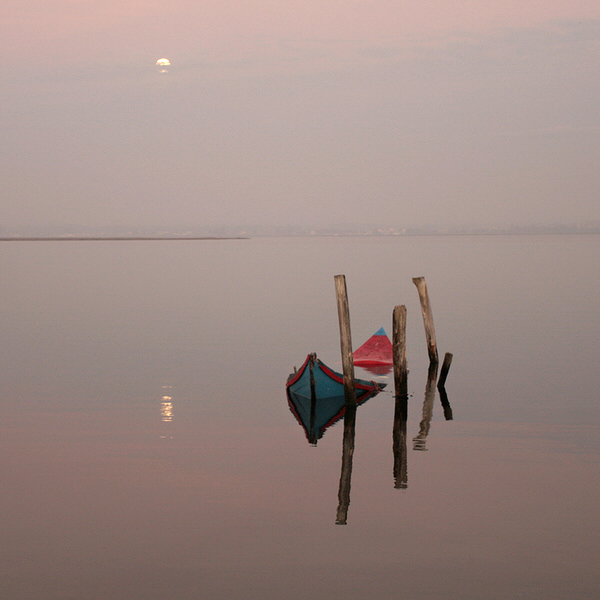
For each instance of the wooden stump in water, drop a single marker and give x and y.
(399, 350)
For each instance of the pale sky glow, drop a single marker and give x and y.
(402, 113)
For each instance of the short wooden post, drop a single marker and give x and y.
(345, 339)
(399, 350)
(427, 318)
(444, 370)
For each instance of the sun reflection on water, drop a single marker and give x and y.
(166, 407)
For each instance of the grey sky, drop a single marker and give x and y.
(457, 127)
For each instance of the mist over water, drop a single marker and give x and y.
(149, 450)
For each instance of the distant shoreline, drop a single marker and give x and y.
(114, 239)
(173, 238)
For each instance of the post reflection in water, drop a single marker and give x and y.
(445, 402)
(399, 442)
(347, 455)
(419, 440)
(315, 414)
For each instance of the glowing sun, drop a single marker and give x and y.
(163, 64)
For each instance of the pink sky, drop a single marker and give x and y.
(76, 31)
(344, 105)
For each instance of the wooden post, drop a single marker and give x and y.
(427, 318)
(444, 370)
(399, 346)
(345, 339)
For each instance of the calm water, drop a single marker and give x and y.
(148, 451)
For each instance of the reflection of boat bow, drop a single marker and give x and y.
(316, 396)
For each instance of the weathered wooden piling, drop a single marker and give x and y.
(345, 338)
(427, 318)
(444, 370)
(399, 350)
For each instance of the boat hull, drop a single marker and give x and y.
(317, 399)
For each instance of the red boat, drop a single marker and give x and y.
(377, 351)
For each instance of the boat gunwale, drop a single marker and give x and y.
(358, 383)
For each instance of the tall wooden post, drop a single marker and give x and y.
(427, 319)
(399, 350)
(345, 339)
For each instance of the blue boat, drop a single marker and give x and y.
(316, 396)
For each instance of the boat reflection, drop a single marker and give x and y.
(379, 370)
(316, 396)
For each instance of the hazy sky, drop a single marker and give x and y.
(317, 112)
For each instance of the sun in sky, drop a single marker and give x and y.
(163, 64)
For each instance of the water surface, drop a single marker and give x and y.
(149, 452)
